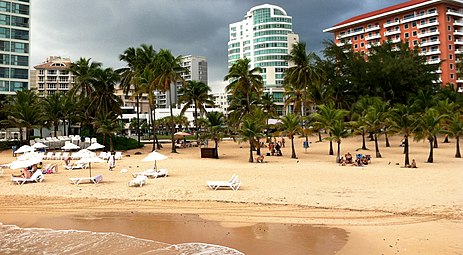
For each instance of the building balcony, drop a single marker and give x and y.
(429, 24)
(418, 17)
(433, 61)
(458, 23)
(429, 43)
(458, 13)
(368, 38)
(370, 45)
(374, 28)
(458, 51)
(458, 42)
(427, 34)
(396, 40)
(340, 44)
(458, 32)
(390, 24)
(350, 33)
(389, 33)
(430, 52)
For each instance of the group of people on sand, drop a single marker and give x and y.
(349, 160)
(275, 148)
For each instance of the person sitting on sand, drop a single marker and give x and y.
(414, 164)
(342, 161)
(357, 162)
(25, 173)
(364, 160)
(348, 157)
(260, 159)
(67, 161)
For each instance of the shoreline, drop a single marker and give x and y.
(382, 207)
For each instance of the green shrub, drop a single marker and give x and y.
(120, 143)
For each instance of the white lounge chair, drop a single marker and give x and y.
(151, 173)
(57, 156)
(138, 181)
(118, 155)
(95, 179)
(76, 166)
(36, 177)
(103, 155)
(49, 155)
(234, 183)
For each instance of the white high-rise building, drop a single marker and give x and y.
(265, 37)
(53, 76)
(14, 45)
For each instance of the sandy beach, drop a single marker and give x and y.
(309, 205)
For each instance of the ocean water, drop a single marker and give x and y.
(16, 240)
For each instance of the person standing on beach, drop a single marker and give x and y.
(112, 161)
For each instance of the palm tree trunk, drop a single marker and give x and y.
(216, 148)
(338, 154)
(431, 151)
(446, 139)
(152, 127)
(293, 151)
(64, 127)
(196, 122)
(137, 128)
(364, 144)
(250, 152)
(111, 147)
(387, 140)
(378, 154)
(406, 151)
(436, 145)
(331, 146)
(56, 130)
(319, 136)
(457, 153)
(172, 128)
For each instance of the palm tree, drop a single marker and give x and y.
(138, 60)
(360, 109)
(300, 76)
(291, 125)
(269, 107)
(339, 131)
(103, 99)
(326, 116)
(168, 72)
(251, 130)
(107, 124)
(429, 125)
(84, 72)
(196, 93)
(244, 82)
(24, 111)
(54, 109)
(405, 122)
(375, 119)
(455, 129)
(214, 124)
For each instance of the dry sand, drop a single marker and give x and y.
(383, 208)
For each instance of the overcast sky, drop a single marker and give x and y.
(103, 29)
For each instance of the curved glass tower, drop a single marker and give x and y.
(265, 36)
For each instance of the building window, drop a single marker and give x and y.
(450, 47)
(361, 36)
(362, 45)
(406, 26)
(450, 37)
(355, 38)
(415, 42)
(450, 56)
(451, 66)
(407, 35)
(414, 24)
(449, 28)
(414, 33)
(451, 76)
(355, 46)
(448, 18)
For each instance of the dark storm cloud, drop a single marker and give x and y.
(103, 29)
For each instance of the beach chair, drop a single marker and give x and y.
(118, 155)
(76, 166)
(234, 183)
(65, 155)
(57, 156)
(36, 177)
(138, 181)
(95, 179)
(103, 155)
(151, 173)
(48, 156)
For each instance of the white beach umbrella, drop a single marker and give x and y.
(26, 160)
(84, 153)
(39, 145)
(154, 156)
(95, 146)
(70, 146)
(90, 160)
(182, 134)
(24, 149)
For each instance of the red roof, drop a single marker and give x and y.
(381, 11)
